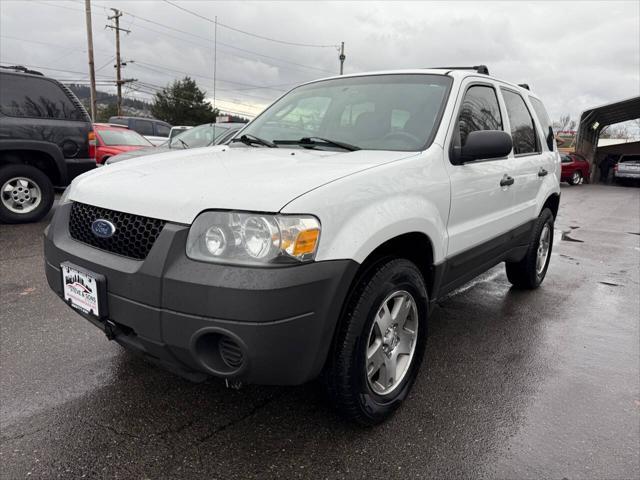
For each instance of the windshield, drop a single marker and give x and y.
(127, 138)
(200, 136)
(377, 112)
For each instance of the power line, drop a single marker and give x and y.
(161, 72)
(251, 52)
(262, 37)
(137, 62)
(9, 37)
(46, 68)
(158, 88)
(152, 89)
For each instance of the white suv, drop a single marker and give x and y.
(315, 243)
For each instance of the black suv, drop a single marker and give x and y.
(45, 137)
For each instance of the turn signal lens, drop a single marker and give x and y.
(306, 242)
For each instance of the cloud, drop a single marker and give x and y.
(575, 55)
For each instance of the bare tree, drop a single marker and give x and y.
(564, 124)
(615, 131)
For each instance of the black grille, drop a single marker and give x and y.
(230, 352)
(134, 235)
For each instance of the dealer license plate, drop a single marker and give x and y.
(80, 289)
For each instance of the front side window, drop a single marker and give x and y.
(479, 111)
(522, 129)
(123, 137)
(23, 96)
(377, 112)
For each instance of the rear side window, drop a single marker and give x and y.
(479, 111)
(22, 96)
(162, 130)
(543, 118)
(522, 130)
(143, 127)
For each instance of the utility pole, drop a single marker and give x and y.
(342, 57)
(92, 72)
(215, 53)
(116, 18)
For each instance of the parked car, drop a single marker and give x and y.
(627, 169)
(45, 136)
(204, 135)
(575, 169)
(177, 130)
(317, 241)
(111, 140)
(156, 131)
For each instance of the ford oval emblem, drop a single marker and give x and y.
(102, 228)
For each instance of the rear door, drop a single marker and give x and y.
(480, 206)
(531, 162)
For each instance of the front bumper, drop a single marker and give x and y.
(176, 311)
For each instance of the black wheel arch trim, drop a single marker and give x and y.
(47, 148)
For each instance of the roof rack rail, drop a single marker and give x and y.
(524, 85)
(478, 68)
(20, 68)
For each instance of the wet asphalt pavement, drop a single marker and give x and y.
(542, 384)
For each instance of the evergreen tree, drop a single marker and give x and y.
(183, 103)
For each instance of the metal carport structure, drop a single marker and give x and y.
(594, 120)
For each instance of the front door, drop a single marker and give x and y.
(481, 197)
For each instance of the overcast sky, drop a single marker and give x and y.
(575, 55)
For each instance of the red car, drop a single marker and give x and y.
(575, 169)
(111, 140)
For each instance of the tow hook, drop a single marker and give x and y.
(233, 384)
(110, 329)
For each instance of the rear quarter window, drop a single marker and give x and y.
(31, 97)
(545, 121)
(162, 130)
(143, 127)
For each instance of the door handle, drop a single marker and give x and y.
(506, 181)
(542, 172)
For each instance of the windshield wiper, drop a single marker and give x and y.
(315, 141)
(184, 144)
(249, 139)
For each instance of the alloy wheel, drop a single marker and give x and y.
(20, 195)
(392, 342)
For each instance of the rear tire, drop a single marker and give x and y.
(377, 354)
(576, 178)
(529, 272)
(26, 194)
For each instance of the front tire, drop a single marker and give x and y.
(529, 272)
(380, 342)
(26, 194)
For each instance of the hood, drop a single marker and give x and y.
(178, 185)
(140, 152)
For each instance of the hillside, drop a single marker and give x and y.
(131, 106)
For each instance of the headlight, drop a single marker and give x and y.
(253, 238)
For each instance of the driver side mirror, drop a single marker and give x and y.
(484, 145)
